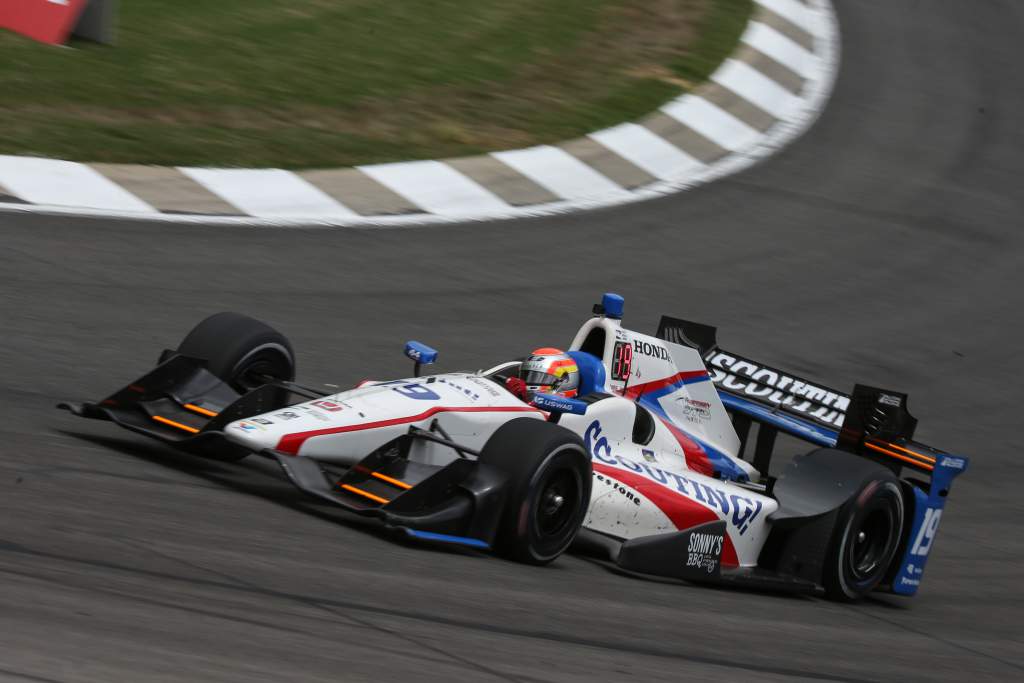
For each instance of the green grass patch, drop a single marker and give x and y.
(720, 30)
(318, 83)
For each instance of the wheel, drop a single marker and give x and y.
(865, 538)
(242, 351)
(548, 488)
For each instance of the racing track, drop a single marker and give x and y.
(883, 246)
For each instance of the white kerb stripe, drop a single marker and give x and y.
(754, 86)
(65, 183)
(267, 192)
(436, 187)
(780, 48)
(652, 153)
(713, 122)
(559, 172)
(795, 11)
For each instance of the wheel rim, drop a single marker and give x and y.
(870, 543)
(262, 365)
(557, 505)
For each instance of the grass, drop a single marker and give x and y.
(321, 83)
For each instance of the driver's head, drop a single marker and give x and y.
(550, 371)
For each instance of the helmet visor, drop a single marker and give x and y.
(535, 378)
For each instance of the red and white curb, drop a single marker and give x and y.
(766, 94)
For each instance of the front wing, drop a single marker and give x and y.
(181, 403)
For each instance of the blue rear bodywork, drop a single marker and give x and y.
(927, 515)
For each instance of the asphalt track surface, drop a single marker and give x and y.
(884, 246)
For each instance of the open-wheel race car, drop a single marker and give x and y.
(653, 457)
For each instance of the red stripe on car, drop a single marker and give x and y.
(637, 390)
(696, 457)
(681, 511)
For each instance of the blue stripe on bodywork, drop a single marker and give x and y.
(802, 429)
(671, 388)
(446, 538)
(722, 463)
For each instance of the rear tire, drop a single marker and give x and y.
(548, 488)
(865, 538)
(240, 350)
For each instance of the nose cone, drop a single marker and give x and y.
(251, 433)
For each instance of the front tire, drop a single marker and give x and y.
(242, 351)
(549, 481)
(865, 539)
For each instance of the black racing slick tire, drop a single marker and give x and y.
(548, 489)
(865, 538)
(242, 351)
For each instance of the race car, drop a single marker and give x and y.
(648, 459)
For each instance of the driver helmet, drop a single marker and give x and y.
(550, 371)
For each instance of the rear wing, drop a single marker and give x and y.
(780, 401)
(870, 422)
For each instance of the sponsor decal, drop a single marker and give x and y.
(287, 415)
(329, 406)
(746, 378)
(248, 427)
(486, 385)
(926, 534)
(551, 402)
(651, 350)
(261, 420)
(619, 488)
(416, 391)
(458, 387)
(738, 510)
(309, 410)
(695, 411)
(950, 461)
(648, 455)
(704, 551)
(889, 400)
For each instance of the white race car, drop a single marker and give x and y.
(647, 460)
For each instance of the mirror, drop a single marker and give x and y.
(420, 354)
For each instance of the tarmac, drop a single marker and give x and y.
(884, 246)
